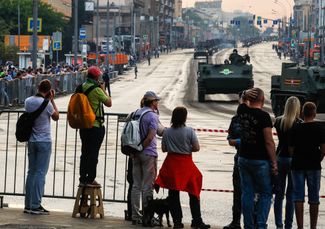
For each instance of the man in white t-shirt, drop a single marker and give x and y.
(39, 147)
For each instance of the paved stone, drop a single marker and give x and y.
(14, 218)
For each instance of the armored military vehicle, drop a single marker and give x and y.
(224, 78)
(201, 51)
(307, 83)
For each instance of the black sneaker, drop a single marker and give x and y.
(200, 225)
(232, 225)
(39, 211)
(27, 210)
(178, 225)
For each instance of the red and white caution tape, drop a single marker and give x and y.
(227, 190)
(217, 130)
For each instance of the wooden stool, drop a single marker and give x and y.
(86, 202)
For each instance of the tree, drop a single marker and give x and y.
(8, 53)
(52, 20)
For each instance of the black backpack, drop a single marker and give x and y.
(25, 123)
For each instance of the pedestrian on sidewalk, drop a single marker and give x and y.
(283, 184)
(39, 147)
(107, 81)
(307, 145)
(149, 57)
(135, 71)
(92, 138)
(178, 172)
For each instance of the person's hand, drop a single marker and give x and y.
(274, 168)
(250, 94)
(51, 94)
(102, 85)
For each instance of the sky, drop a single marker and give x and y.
(272, 9)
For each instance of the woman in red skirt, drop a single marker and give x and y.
(178, 172)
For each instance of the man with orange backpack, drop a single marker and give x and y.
(92, 138)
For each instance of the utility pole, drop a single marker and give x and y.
(134, 27)
(107, 34)
(322, 39)
(97, 25)
(19, 24)
(35, 16)
(75, 38)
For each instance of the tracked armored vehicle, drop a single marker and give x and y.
(307, 83)
(201, 51)
(224, 78)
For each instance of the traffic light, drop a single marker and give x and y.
(292, 43)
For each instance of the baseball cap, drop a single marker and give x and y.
(150, 95)
(94, 71)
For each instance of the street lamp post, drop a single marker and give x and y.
(97, 28)
(75, 32)
(107, 34)
(35, 16)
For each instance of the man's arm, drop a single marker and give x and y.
(55, 116)
(270, 148)
(108, 102)
(322, 150)
(149, 138)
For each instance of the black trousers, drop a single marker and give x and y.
(176, 209)
(236, 207)
(91, 141)
(129, 179)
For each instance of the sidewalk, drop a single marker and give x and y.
(14, 218)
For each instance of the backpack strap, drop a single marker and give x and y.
(92, 87)
(100, 105)
(40, 109)
(146, 112)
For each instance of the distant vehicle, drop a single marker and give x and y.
(307, 83)
(224, 78)
(200, 51)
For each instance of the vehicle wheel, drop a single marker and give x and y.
(201, 96)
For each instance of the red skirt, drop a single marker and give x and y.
(179, 172)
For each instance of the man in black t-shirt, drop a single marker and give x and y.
(257, 159)
(307, 145)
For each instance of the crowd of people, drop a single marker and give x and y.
(261, 169)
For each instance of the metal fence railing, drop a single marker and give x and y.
(17, 90)
(62, 178)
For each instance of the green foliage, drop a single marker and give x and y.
(8, 53)
(52, 20)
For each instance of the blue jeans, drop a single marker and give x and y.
(313, 184)
(39, 154)
(255, 178)
(284, 168)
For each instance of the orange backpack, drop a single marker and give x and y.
(80, 113)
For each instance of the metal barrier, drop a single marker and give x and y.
(62, 178)
(17, 90)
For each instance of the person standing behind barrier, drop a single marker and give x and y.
(307, 145)
(29, 82)
(145, 162)
(234, 140)
(91, 139)
(39, 148)
(283, 126)
(178, 172)
(256, 159)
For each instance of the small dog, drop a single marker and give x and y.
(158, 206)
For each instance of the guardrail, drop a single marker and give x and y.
(17, 90)
(62, 178)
